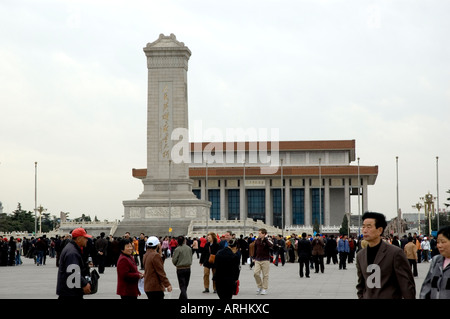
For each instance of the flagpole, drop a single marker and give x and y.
(398, 207)
(437, 190)
(35, 198)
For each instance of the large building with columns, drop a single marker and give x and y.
(318, 179)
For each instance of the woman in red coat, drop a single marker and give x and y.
(127, 273)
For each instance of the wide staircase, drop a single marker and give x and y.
(153, 228)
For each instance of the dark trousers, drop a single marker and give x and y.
(155, 295)
(141, 259)
(351, 256)
(342, 260)
(419, 256)
(304, 262)
(197, 252)
(282, 258)
(244, 256)
(40, 257)
(413, 264)
(318, 263)
(183, 276)
(291, 254)
(101, 263)
(57, 258)
(333, 257)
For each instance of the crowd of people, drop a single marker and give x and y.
(13, 249)
(140, 260)
(104, 251)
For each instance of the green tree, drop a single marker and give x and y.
(316, 226)
(444, 220)
(344, 227)
(20, 220)
(4, 223)
(83, 218)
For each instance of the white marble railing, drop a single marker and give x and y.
(198, 227)
(95, 223)
(324, 229)
(63, 226)
(16, 234)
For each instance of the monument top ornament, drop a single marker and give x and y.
(167, 52)
(166, 42)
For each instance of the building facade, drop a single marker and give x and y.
(302, 183)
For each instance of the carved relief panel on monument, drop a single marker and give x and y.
(165, 120)
(162, 212)
(135, 212)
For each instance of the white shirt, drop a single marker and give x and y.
(425, 245)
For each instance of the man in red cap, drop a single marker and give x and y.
(72, 270)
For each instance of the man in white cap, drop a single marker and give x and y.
(155, 278)
(71, 281)
(425, 244)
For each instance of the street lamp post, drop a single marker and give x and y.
(437, 190)
(398, 205)
(428, 200)
(35, 197)
(40, 209)
(418, 206)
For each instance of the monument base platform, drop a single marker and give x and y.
(161, 217)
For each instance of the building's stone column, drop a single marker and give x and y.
(203, 189)
(287, 203)
(365, 196)
(308, 211)
(327, 207)
(347, 195)
(242, 200)
(269, 201)
(223, 212)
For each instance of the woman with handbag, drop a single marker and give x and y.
(207, 260)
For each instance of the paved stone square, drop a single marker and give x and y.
(29, 281)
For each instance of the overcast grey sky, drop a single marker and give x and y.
(73, 86)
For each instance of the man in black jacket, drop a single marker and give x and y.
(41, 247)
(227, 270)
(72, 272)
(243, 248)
(101, 245)
(331, 250)
(304, 254)
(141, 248)
(280, 246)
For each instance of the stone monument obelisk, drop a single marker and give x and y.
(167, 204)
